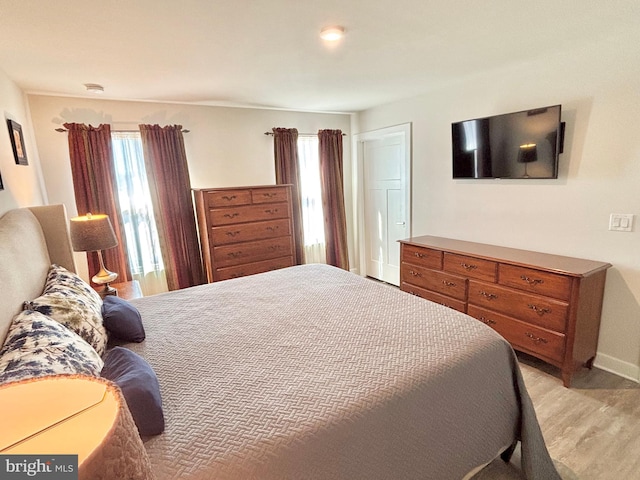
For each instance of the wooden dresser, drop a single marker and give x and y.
(245, 230)
(548, 306)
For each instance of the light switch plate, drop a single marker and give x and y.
(621, 222)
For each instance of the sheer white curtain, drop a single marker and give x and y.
(311, 200)
(136, 210)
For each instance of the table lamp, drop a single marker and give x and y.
(528, 153)
(94, 233)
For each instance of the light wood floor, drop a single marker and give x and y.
(593, 427)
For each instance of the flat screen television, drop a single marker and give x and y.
(513, 145)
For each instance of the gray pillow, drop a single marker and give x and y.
(139, 386)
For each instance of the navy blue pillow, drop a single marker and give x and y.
(140, 388)
(122, 319)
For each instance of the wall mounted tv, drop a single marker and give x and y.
(513, 145)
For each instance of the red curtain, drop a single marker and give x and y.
(170, 187)
(331, 178)
(285, 150)
(93, 175)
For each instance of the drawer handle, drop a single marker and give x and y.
(468, 267)
(536, 339)
(272, 229)
(419, 255)
(539, 310)
(228, 198)
(415, 274)
(269, 195)
(273, 248)
(271, 211)
(447, 283)
(233, 234)
(531, 281)
(231, 215)
(488, 296)
(487, 321)
(234, 254)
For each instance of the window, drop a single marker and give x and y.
(311, 200)
(136, 210)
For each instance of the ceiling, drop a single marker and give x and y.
(267, 53)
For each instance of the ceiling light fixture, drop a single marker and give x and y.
(94, 88)
(332, 34)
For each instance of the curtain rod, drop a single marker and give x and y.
(304, 134)
(63, 130)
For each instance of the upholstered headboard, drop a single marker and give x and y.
(31, 239)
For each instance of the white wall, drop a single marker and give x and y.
(225, 146)
(598, 87)
(22, 183)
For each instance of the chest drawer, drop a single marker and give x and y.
(434, 297)
(269, 195)
(470, 267)
(236, 271)
(250, 231)
(226, 198)
(437, 281)
(535, 281)
(542, 311)
(425, 257)
(523, 336)
(248, 213)
(240, 253)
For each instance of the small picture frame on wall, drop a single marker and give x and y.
(17, 143)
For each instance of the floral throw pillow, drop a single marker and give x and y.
(59, 279)
(37, 346)
(70, 301)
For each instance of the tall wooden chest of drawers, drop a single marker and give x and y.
(245, 230)
(546, 305)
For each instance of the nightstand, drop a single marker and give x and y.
(126, 290)
(72, 415)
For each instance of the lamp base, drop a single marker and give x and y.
(107, 290)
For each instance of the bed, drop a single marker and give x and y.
(308, 372)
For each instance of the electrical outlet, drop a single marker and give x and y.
(621, 222)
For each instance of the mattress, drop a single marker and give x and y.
(312, 372)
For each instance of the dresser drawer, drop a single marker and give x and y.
(250, 231)
(470, 267)
(535, 281)
(226, 198)
(542, 311)
(436, 281)
(523, 336)
(434, 297)
(425, 257)
(251, 268)
(249, 213)
(240, 253)
(269, 195)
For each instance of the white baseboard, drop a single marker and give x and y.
(620, 368)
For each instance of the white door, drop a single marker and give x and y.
(386, 212)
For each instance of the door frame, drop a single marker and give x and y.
(403, 130)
